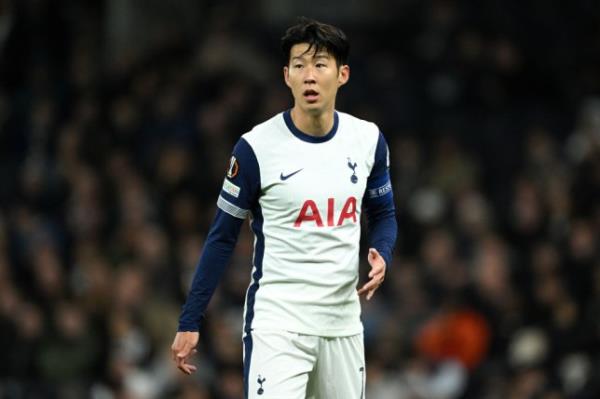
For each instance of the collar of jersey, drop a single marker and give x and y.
(287, 116)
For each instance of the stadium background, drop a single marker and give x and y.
(116, 122)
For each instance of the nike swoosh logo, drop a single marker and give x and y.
(282, 177)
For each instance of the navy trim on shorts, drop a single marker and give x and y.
(247, 357)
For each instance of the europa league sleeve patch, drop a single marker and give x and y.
(234, 168)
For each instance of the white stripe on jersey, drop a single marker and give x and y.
(231, 209)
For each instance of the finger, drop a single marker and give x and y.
(181, 360)
(363, 289)
(373, 283)
(184, 369)
(371, 293)
(184, 366)
(378, 266)
(377, 274)
(185, 350)
(376, 271)
(190, 368)
(368, 286)
(177, 355)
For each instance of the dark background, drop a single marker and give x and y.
(117, 119)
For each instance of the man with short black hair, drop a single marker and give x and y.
(303, 177)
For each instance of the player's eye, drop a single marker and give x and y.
(298, 66)
(321, 65)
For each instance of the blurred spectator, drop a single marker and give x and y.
(116, 122)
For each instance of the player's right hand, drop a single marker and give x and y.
(184, 346)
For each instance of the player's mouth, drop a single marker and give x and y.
(311, 95)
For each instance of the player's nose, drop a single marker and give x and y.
(309, 76)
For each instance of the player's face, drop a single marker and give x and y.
(314, 78)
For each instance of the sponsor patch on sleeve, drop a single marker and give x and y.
(231, 188)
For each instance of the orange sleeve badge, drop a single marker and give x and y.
(233, 169)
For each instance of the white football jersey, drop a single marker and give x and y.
(304, 196)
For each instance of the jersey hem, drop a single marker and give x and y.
(344, 332)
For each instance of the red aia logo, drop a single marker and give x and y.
(310, 213)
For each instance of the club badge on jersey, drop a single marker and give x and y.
(352, 165)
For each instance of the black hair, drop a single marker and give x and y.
(319, 36)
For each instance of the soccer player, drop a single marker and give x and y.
(303, 177)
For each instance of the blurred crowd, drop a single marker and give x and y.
(116, 124)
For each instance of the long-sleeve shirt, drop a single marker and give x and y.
(304, 195)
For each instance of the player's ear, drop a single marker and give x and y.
(343, 75)
(286, 76)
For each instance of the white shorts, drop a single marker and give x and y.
(286, 365)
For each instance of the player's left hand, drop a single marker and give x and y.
(376, 275)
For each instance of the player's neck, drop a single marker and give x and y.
(314, 125)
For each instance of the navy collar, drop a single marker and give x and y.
(287, 116)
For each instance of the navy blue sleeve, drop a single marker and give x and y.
(218, 248)
(238, 197)
(379, 204)
(241, 186)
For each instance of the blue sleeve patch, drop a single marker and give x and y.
(241, 186)
(380, 191)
